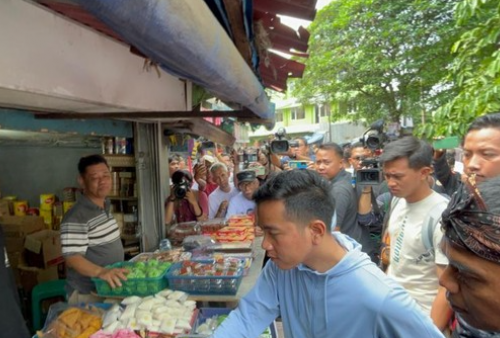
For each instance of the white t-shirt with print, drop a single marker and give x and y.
(411, 266)
(217, 197)
(240, 205)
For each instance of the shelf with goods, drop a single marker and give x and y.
(125, 200)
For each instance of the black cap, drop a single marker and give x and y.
(246, 176)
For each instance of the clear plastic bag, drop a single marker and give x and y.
(70, 321)
(197, 242)
(182, 230)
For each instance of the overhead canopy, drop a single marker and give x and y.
(233, 59)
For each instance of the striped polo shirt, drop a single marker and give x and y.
(92, 232)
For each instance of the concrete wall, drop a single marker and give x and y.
(28, 171)
(50, 62)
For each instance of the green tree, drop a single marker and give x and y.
(476, 69)
(380, 58)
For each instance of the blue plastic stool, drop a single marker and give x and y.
(41, 292)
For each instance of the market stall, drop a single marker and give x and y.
(167, 292)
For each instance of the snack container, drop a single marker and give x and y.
(212, 226)
(172, 256)
(207, 312)
(205, 278)
(182, 230)
(132, 286)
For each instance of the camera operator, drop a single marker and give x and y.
(263, 167)
(185, 204)
(173, 165)
(299, 150)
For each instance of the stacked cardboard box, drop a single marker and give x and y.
(34, 252)
(15, 229)
(5, 207)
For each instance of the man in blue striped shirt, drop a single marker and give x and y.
(90, 237)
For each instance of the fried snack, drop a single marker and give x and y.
(74, 323)
(69, 317)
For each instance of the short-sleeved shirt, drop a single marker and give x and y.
(240, 205)
(184, 210)
(411, 265)
(217, 197)
(92, 232)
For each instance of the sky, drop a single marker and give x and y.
(296, 23)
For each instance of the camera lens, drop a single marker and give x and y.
(372, 177)
(279, 146)
(373, 142)
(180, 191)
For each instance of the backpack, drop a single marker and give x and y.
(431, 220)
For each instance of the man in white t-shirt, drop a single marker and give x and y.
(218, 200)
(407, 166)
(242, 203)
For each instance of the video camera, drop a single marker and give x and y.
(282, 145)
(181, 180)
(371, 174)
(373, 138)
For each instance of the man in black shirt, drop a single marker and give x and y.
(329, 165)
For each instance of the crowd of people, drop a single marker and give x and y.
(417, 255)
(330, 240)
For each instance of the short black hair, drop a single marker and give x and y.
(358, 145)
(418, 152)
(87, 161)
(486, 121)
(332, 147)
(178, 175)
(305, 194)
(347, 153)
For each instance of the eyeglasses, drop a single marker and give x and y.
(358, 158)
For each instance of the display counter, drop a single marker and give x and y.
(247, 282)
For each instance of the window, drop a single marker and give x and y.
(279, 116)
(324, 110)
(347, 108)
(298, 113)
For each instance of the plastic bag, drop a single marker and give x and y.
(70, 321)
(197, 242)
(182, 230)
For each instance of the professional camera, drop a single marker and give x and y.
(281, 145)
(371, 174)
(182, 180)
(374, 137)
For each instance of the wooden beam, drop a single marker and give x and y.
(200, 127)
(234, 12)
(256, 120)
(246, 113)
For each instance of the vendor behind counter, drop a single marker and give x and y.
(90, 237)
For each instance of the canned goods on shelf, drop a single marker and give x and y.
(20, 208)
(47, 201)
